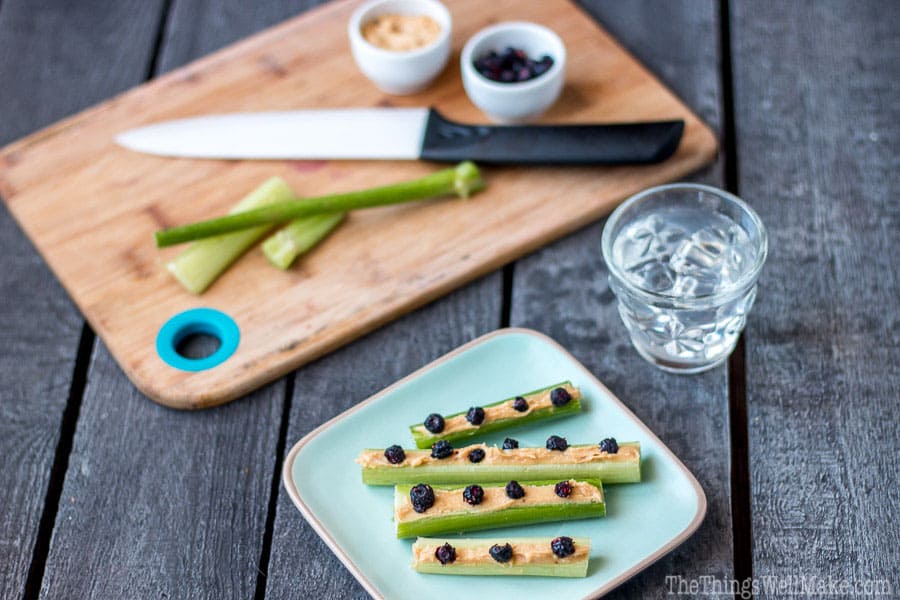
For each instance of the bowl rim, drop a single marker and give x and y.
(559, 58)
(354, 30)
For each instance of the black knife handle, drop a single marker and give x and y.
(614, 144)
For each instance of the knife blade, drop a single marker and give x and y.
(401, 134)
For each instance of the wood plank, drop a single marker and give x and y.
(158, 503)
(562, 290)
(818, 125)
(51, 52)
(378, 265)
(301, 565)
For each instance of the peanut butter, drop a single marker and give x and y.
(495, 498)
(401, 33)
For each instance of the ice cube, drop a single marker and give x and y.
(684, 285)
(653, 275)
(700, 252)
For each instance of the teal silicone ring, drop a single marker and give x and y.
(197, 320)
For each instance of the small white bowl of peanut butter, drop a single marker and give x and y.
(401, 45)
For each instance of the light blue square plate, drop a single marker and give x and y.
(644, 521)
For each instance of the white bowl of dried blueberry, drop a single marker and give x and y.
(514, 71)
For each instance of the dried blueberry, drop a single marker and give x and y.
(473, 494)
(422, 497)
(475, 416)
(563, 546)
(520, 404)
(510, 444)
(554, 442)
(560, 397)
(514, 490)
(395, 454)
(563, 489)
(434, 423)
(609, 445)
(476, 455)
(441, 449)
(511, 65)
(500, 553)
(445, 554)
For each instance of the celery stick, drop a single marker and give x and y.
(472, 557)
(496, 510)
(521, 464)
(297, 237)
(462, 180)
(501, 415)
(202, 262)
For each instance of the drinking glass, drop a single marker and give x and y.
(683, 262)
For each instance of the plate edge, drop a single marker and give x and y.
(293, 493)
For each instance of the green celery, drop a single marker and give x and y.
(202, 262)
(463, 180)
(608, 470)
(565, 567)
(297, 237)
(510, 516)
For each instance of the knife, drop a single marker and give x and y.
(402, 134)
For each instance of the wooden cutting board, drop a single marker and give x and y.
(91, 207)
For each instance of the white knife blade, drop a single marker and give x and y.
(363, 133)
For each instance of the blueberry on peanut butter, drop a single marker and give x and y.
(514, 490)
(475, 416)
(510, 444)
(476, 455)
(395, 454)
(520, 404)
(609, 445)
(422, 497)
(434, 423)
(559, 397)
(445, 554)
(554, 442)
(441, 449)
(473, 494)
(562, 546)
(502, 553)
(563, 489)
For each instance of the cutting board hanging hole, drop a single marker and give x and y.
(197, 339)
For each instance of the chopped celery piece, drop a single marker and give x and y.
(297, 237)
(451, 513)
(531, 556)
(502, 415)
(583, 461)
(202, 262)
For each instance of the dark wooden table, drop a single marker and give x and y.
(104, 494)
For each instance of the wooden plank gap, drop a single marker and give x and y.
(159, 39)
(35, 577)
(741, 521)
(729, 135)
(506, 302)
(265, 553)
(740, 465)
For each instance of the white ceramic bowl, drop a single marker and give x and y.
(521, 101)
(401, 72)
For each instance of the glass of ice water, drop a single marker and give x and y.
(683, 262)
